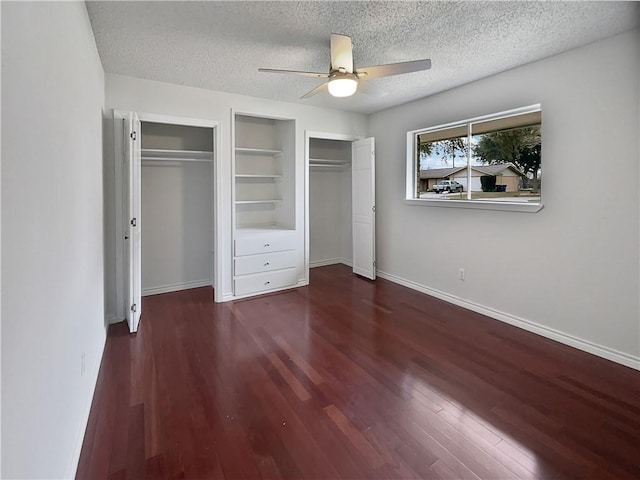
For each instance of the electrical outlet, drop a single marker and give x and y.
(82, 363)
(461, 274)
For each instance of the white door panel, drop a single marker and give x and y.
(363, 205)
(132, 169)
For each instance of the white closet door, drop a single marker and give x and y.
(133, 156)
(363, 192)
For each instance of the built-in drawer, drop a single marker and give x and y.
(261, 282)
(264, 262)
(266, 242)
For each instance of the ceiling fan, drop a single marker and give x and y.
(344, 79)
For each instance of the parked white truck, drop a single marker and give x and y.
(447, 186)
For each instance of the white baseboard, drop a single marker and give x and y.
(110, 318)
(324, 263)
(330, 261)
(585, 345)
(86, 410)
(176, 287)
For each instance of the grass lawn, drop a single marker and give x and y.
(528, 196)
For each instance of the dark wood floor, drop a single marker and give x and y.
(352, 379)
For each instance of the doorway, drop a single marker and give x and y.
(166, 196)
(340, 207)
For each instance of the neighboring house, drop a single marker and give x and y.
(428, 178)
(505, 173)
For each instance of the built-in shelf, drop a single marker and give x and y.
(258, 151)
(248, 230)
(156, 154)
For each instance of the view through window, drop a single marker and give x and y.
(495, 158)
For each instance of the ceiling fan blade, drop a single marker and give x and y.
(369, 89)
(394, 69)
(341, 53)
(294, 72)
(318, 89)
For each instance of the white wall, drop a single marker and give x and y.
(325, 216)
(52, 235)
(177, 215)
(570, 270)
(127, 93)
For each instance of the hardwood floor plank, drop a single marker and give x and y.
(358, 440)
(136, 459)
(443, 471)
(302, 364)
(154, 468)
(352, 379)
(288, 377)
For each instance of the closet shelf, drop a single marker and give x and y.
(329, 166)
(258, 151)
(156, 154)
(256, 175)
(327, 161)
(249, 202)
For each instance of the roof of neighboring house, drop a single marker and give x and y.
(439, 172)
(484, 169)
(496, 169)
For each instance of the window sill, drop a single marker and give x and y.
(477, 205)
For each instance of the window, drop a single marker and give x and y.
(492, 161)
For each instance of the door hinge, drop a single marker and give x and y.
(134, 307)
(133, 135)
(133, 222)
(373, 209)
(374, 263)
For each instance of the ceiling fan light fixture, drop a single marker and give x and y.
(343, 85)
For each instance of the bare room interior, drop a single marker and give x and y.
(320, 240)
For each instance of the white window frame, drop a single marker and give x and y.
(412, 165)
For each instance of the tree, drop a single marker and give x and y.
(451, 147)
(520, 146)
(424, 150)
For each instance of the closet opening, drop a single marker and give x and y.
(166, 208)
(330, 218)
(340, 198)
(177, 207)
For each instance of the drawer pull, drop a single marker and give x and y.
(267, 245)
(267, 282)
(266, 264)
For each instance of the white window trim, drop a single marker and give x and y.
(412, 165)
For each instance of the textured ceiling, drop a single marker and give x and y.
(221, 45)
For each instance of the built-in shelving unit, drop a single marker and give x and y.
(265, 237)
(264, 166)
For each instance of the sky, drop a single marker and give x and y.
(437, 160)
